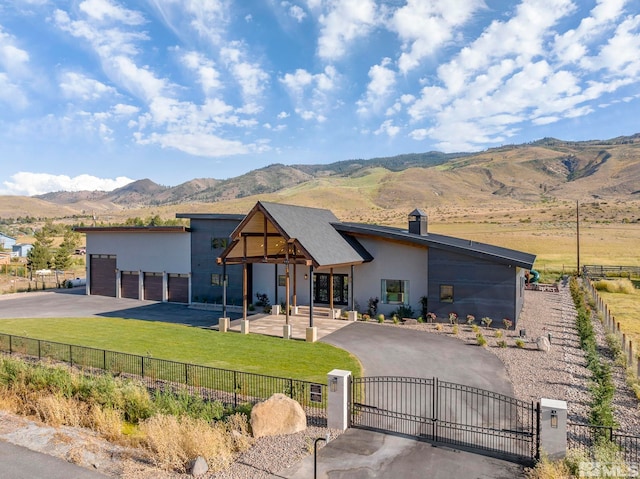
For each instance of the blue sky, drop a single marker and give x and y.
(97, 93)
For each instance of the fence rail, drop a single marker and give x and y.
(600, 271)
(230, 387)
(586, 436)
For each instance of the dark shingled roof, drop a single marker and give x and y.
(312, 227)
(211, 216)
(462, 246)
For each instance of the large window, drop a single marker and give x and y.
(395, 291)
(446, 293)
(216, 279)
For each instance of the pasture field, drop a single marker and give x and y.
(249, 353)
(625, 308)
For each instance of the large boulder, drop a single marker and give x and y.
(277, 415)
(543, 344)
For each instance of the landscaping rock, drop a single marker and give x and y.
(199, 466)
(409, 321)
(276, 416)
(543, 344)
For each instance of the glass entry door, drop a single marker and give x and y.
(340, 288)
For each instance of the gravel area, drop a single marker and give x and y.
(560, 373)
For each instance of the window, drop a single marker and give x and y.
(218, 243)
(282, 280)
(395, 291)
(216, 279)
(446, 293)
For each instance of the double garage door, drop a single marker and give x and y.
(103, 281)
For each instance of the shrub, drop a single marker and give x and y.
(372, 306)
(431, 317)
(486, 321)
(262, 300)
(395, 319)
(475, 328)
(470, 319)
(507, 323)
(424, 305)
(381, 318)
(502, 343)
(453, 318)
(498, 334)
(438, 327)
(420, 319)
(366, 317)
(481, 340)
(404, 311)
(454, 329)
(519, 343)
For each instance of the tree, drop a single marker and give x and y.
(62, 256)
(40, 256)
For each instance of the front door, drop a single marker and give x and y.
(340, 288)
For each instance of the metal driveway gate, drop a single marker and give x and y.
(449, 413)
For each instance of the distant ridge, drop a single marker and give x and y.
(537, 171)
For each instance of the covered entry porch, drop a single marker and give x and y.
(297, 252)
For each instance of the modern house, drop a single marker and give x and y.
(306, 256)
(6, 241)
(21, 249)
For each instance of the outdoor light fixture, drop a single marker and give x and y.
(306, 276)
(334, 384)
(554, 419)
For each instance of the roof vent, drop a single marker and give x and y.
(418, 222)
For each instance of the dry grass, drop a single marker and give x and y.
(624, 286)
(175, 442)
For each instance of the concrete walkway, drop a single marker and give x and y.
(270, 325)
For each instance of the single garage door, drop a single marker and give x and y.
(178, 288)
(153, 286)
(103, 275)
(129, 285)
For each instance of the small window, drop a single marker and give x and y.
(395, 291)
(446, 293)
(216, 279)
(219, 243)
(282, 280)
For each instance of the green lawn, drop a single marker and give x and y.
(250, 353)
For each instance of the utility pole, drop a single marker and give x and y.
(578, 235)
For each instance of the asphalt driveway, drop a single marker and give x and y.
(394, 351)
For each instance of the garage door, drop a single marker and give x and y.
(129, 286)
(178, 288)
(153, 286)
(103, 275)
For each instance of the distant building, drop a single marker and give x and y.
(6, 242)
(21, 249)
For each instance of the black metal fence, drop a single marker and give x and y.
(587, 437)
(230, 387)
(450, 413)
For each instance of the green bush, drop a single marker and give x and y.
(519, 343)
(381, 318)
(403, 312)
(481, 340)
(502, 343)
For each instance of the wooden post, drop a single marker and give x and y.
(244, 291)
(295, 285)
(331, 290)
(286, 288)
(630, 363)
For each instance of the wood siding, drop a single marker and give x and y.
(129, 284)
(178, 288)
(153, 286)
(103, 275)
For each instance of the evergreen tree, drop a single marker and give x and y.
(40, 256)
(62, 256)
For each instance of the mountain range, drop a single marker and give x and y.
(544, 170)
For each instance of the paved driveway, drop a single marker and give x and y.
(395, 351)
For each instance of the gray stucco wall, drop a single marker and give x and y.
(204, 253)
(481, 288)
(391, 261)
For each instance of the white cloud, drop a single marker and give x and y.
(11, 94)
(295, 11)
(13, 60)
(282, 115)
(388, 128)
(344, 21)
(77, 85)
(29, 184)
(311, 92)
(105, 10)
(208, 76)
(198, 144)
(125, 110)
(380, 87)
(425, 26)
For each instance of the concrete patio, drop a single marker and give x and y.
(271, 325)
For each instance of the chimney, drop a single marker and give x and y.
(418, 222)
